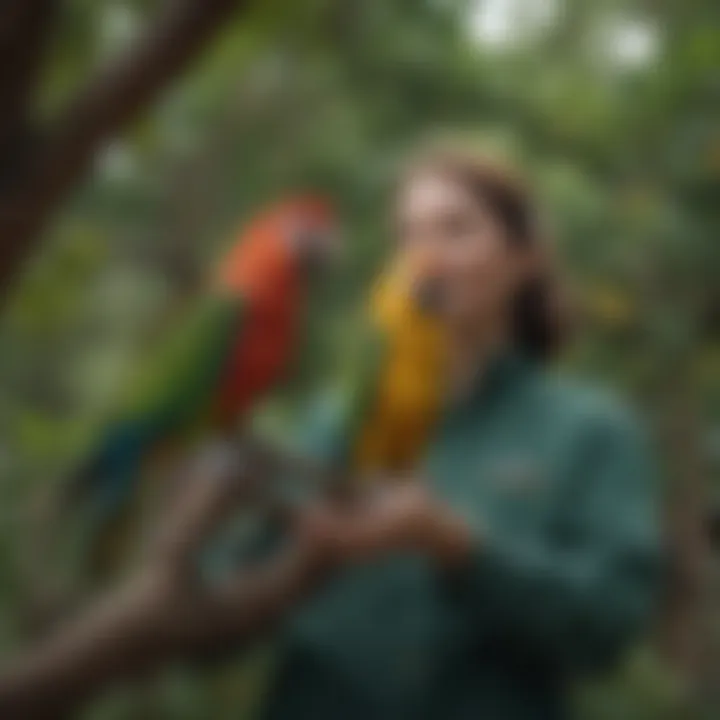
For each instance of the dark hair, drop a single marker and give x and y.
(538, 329)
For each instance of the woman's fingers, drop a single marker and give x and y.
(374, 522)
(399, 517)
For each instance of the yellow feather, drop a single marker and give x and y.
(410, 386)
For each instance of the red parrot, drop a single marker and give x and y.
(223, 361)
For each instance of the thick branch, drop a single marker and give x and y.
(21, 21)
(140, 627)
(163, 613)
(115, 97)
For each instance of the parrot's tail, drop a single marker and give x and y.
(83, 480)
(98, 497)
(105, 480)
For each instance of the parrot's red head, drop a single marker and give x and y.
(297, 234)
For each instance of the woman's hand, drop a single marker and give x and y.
(398, 517)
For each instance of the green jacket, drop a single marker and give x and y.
(556, 480)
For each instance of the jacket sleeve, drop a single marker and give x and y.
(580, 593)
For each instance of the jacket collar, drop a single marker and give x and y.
(494, 380)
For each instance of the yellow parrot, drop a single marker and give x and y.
(398, 389)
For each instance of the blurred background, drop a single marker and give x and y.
(613, 107)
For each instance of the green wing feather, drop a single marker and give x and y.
(169, 398)
(176, 389)
(363, 387)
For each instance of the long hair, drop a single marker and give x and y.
(538, 323)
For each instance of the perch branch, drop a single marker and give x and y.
(164, 613)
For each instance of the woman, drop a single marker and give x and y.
(526, 555)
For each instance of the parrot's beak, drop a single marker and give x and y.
(429, 295)
(426, 285)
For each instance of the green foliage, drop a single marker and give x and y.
(645, 690)
(625, 154)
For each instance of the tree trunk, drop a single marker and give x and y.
(683, 631)
(40, 168)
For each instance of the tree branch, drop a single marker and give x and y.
(113, 98)
(24, 31)
(110, 101)
(164, 613)
(22, 23)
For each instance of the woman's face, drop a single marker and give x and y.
(479, 270)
